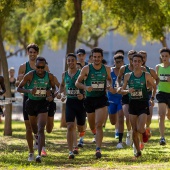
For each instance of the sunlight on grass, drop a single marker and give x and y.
(14, 151)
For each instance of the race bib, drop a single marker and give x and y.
(97, 85)
(164, 77)
(73, 92)
(40, 92)
(137, 94)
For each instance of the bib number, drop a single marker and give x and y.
(40, 92)
(163, 77)
(97, 85)
(137, 94)
(73, 92)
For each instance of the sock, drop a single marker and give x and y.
(81, 134)
(120, 137)
(97, 148)
(70, 152)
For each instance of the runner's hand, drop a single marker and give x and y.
(89, 88)
(80, 96)
(33, 91)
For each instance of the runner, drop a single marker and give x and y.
(137, 81)
(36, 106)
(81, 56)
(74, 103)
(12, 81)
(95, 76)
(32, 51)
(115, 106)
(163, 95)
(151, 105)
(125, 99)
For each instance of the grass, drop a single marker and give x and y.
(14, 153)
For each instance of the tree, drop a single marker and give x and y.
(147, 18)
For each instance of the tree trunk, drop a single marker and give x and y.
(71, 43)
(8, 108)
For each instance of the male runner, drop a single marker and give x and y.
(74, 103)
(115, 100)
(32, 51)
(39, 82)
(163, 95)
(95, 76)
(125, 99)
(137, 81)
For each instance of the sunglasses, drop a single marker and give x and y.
(40, 67)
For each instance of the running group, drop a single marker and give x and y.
(93, 91)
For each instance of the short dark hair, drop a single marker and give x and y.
(137, 55)
(131, 52)
(164, 49)
(120, 51)
(118, 56)
(41, 59)
(81, 51)
(34, 46)
(71, 55)
(143, 52)
(97, 50)
(79, 64)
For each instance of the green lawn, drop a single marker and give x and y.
(13, 151)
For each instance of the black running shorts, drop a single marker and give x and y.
(93, 103)
(75, 109)
(51, 109)
(137, 107)
(34, 107)
(163, 97)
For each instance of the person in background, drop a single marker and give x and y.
(12, 81)
(81, 56)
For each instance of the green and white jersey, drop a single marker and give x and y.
(139, 85)
(41, 84)
(163, 74)
(71, 90)
(96, 79)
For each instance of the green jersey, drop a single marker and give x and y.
(71, 90)
(41, 84)
(163, 74)
(27, 69)
(96, 79)
(139, 86)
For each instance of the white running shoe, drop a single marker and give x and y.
(129, 139)
(94, 139)
(134, 149)
(31, 157)
(119, 146)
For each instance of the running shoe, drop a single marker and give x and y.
(116, 135)
(98, 154)
(129, 140)
(38, 159)
(145, 136)
(35, 141)
(43, 153)
(94, 139)
(76, 151)
(162, 141)
(141, 146)
(119, 145)
(71, 156)
(138, 154)
(80, 144)
(31, 157)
